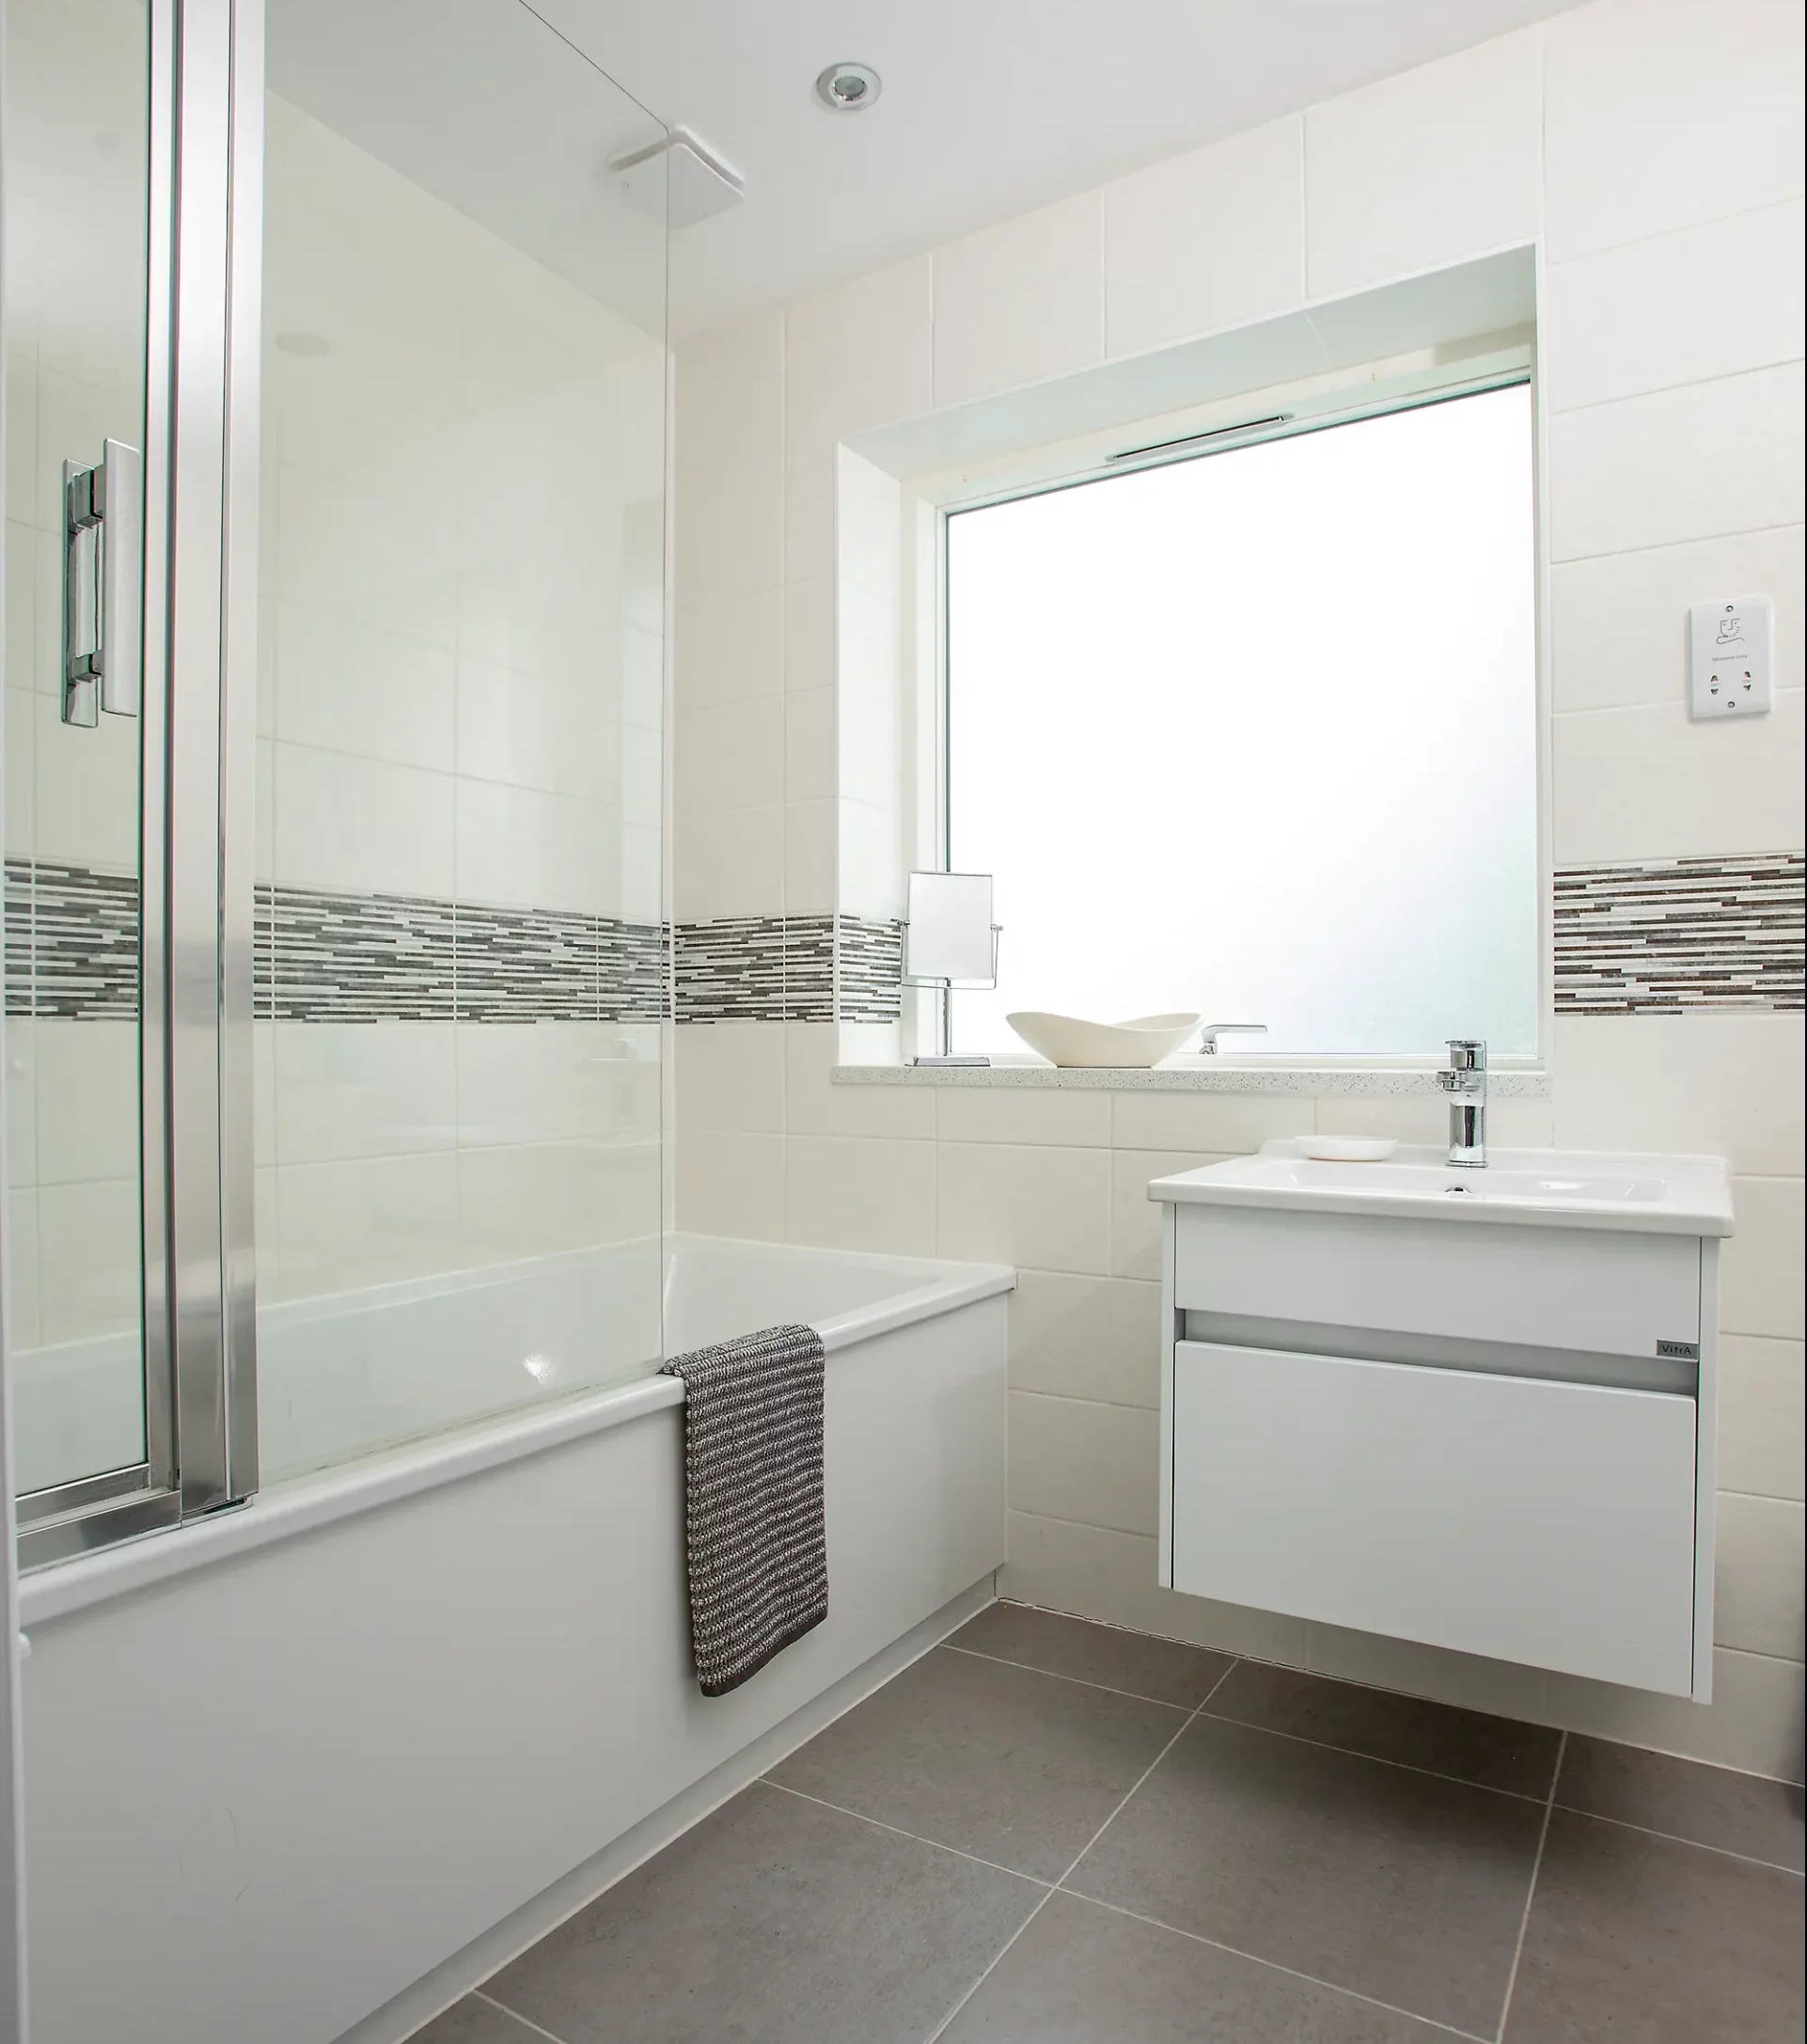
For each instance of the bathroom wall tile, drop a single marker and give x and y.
(543, 1199)
(1207, 241)
(984, 1115)
(1020, 302)
(1422, 168)
(811, 648)
(1619, 622)
(1405, 1119)
(88, 1100)
(1634, 143)
(547, 1081)
(362, 825)
(372, 1221)
(1763, 1417)
(347, 686)
(347, 1090)
(1722, 1084)
(1096, 1465)
(1034, 1207)
(90, 1260)
(22, 773)
(730, 863)
(814, 1105)
(23, 1326)
(539, 730)
(1754, 1721)
(731, 1076)
(519, 847)
(730, 1184)
(18, 1094)
(728, 470)
(730, 650)
(85, 807)
(1225, 1124)
(1761, 1271)
(1093, 1572)
(859, 1192)
(729, 755)
(1636, 318)
(858, 356)
(1652, 783)
(1470, 1681)
(21, 589)
(811, 851)
(1135, 1218)
(809, 746)
(1688, 464)
(1759, 1578)
(264, 1093)
(1093, 1338)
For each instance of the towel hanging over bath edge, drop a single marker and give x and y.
(755, 1540)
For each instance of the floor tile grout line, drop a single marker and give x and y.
(1676, 1838)
(896, 1831)
(1355, 1752)
(1109, 1688)
(515, 2015)
(1530, 1894)
(1274, 1965)
(998, 1958)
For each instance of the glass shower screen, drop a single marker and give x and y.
(458, 864)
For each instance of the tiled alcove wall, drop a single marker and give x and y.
(1674, 470)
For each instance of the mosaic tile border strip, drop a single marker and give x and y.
(871, 983)
(1661, 937)
(72, 949)
(326, 957)
(1651, 936)
(71, 952)
(755, 968)
(789, 968)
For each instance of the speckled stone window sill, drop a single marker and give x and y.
(1194, 1075)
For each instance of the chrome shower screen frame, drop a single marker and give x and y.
(198, 729)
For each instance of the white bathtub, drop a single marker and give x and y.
(410, 1710)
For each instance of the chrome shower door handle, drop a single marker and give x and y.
(103, 585)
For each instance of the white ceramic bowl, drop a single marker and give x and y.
(1348, 1149)
(1065, 1040)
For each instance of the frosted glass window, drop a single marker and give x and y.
(1256, 735)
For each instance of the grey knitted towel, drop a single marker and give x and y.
(755, 1546)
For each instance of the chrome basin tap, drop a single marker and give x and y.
(1466, 1082)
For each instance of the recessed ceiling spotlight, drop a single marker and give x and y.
(848, 88)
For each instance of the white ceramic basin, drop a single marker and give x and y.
(1668, 1195)
(1138, 1045)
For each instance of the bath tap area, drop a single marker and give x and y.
(902, 1079)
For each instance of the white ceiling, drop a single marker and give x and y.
(989, 107)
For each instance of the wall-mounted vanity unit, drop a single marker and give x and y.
(1469, 1407)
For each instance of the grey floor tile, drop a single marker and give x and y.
(1082, 1974)
(773, 1922)
(474, 2021)
(1494, 1753)
(1635, 1939)
(1166, 1671)
(1396, 1884)
(1016, 1767)
(1739, 1813)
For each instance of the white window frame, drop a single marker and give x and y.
(1338, 399)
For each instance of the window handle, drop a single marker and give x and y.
(1212, 1031)
(103, 585)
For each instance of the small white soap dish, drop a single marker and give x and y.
(1348, 1149)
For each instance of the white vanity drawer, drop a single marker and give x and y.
(1574, 1288)
(1529, 1520)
